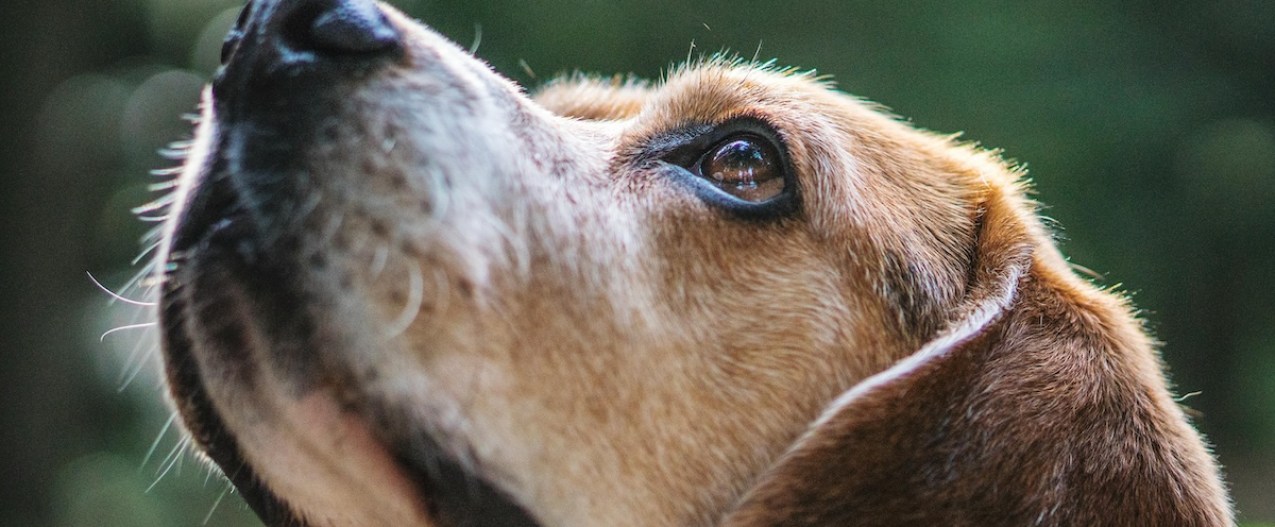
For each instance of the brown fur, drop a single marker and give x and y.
(1051, 414)
(514, 278)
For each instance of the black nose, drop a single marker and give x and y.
(301, 31)
(338, 27)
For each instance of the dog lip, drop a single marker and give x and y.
(207, 320)
(449, 495)
(456, 496)
(201, 419)
(219, 265)
(212, 232)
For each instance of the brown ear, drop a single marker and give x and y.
(1042, 405)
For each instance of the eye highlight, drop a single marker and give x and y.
(745, 166)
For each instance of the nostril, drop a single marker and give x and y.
(340, 27)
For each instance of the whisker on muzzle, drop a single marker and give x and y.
(415, 297)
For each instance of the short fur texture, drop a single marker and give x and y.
(421, 255)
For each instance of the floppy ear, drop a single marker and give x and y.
(1042, 404)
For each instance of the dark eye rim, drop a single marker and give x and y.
(681, 162)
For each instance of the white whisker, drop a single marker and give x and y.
(224, 491)
(163, 431)
(442, 289)
(379, 259)
(146, 251)
(169, 462)
(165, 188)
(156, 205)
(308, 208)
(526, 68)
(137, 360)
(168, 172)
(124, 328)
(478, 39)
(117, 296)
(437, 193)
(415, 296)
(330, 230)
(516, 245)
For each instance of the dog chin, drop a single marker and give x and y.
(305, 452)
(254, 377)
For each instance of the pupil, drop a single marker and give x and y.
(742, 154)
(737, 162)
(744, 166)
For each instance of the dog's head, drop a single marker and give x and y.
(398, 291)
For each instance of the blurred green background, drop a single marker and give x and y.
(1148, 127)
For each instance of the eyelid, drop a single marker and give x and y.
(685, 144)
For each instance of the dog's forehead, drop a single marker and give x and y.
(700, 90)
(594, 98)
(704, 92)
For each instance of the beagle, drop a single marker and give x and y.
(396, 290)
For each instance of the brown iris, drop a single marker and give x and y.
(745, 166)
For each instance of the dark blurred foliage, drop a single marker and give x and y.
(1147, 126)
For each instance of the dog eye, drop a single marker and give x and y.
(745, 166)
(739, 166)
